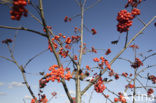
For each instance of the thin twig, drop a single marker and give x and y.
(34, 57)
(22, 28)
(7, 59)
(141, 20)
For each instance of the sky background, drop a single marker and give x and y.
(102, 17)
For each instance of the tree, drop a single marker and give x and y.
(78, 61)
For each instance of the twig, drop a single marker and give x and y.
(22, 28)
(125, 60)
(148, 57)
(141, 20)
(34, 57)
(126, 40)
(7, 59)
(91, 96)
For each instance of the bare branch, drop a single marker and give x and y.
(94, 4)
(125, 60)
(148, 57)
(141, 20)
(54, 51)
(7, 59)
(22, 28)
(34, 57)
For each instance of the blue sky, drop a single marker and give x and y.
(102, 17)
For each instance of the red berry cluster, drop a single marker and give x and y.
(137, 63)
(133, 3)
(48, 27)
(150, 91)
(152, 78)
(66, 19)
(93, 31)
(116, 76)
(99, 86)
(18, 9)
(135, 12)
(120, 98)
(124, 19)
(134, 46)
(94, 50)
(7, 41)
(55, 45)
(33, 100)
(130, 86)
(108, 51)
(54, 93)
(43, 99)
(57, 74)
(124, 74)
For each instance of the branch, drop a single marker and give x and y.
(34, 57)
(21, 69)
(22, 28)
(141, 20)
(125, 60)
(7, 59)
(114, 59)
(54, 51)
(148, 57)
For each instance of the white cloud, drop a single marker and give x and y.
(27, 97)
(2, 93)
(1, 84)
(15, 84)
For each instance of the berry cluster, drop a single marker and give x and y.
(152, 78)
(116, 76)
(34, 100)
(94, 50)
(48, 27)
(135, 12)
(54, 93)
(93, 31)
(99, 86)
(133, 3)
(120, 98)
(103, 61)
(18, 9)
(66, 19)
(63, 53)
(108, 51)
(130, 86)
(150, 91)
(55, 45)
(134, 47)
(124, 19)
(7, 41)
(43, 99)
(57, 74)
(96, 59)
(87, 67)
(124, 74)
(76, 30)
(137, 63)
